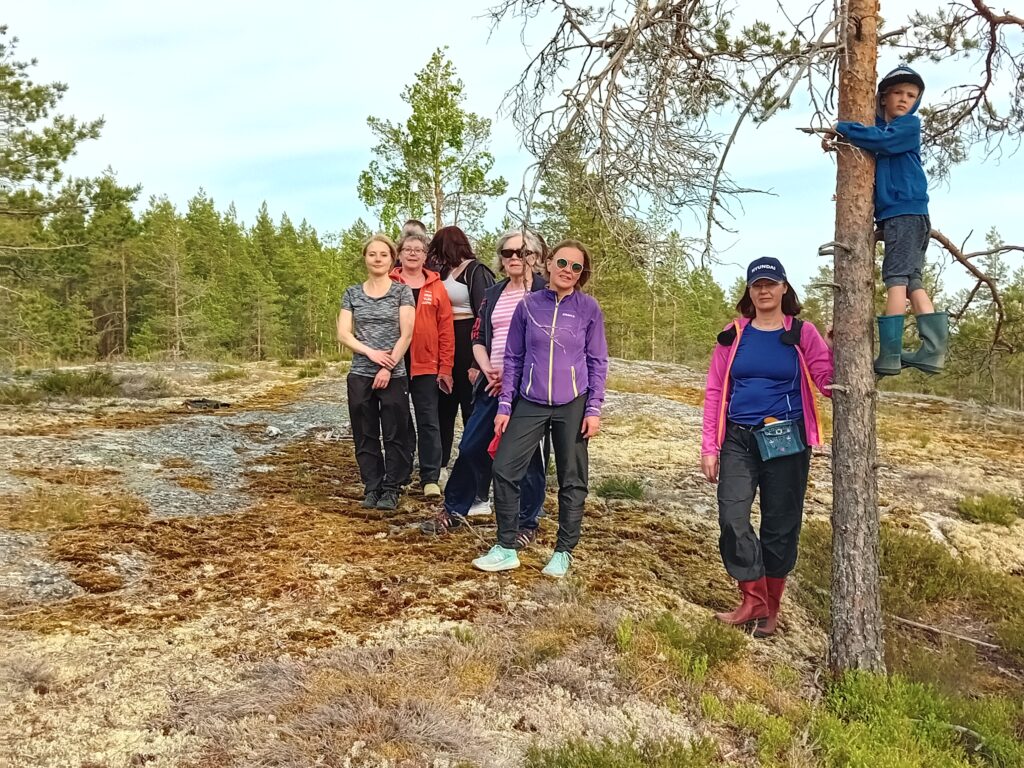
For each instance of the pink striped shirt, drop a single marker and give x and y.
(501, 318)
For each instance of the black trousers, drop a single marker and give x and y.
(782, 483)
(529, 422)
(426, 435)
(461, 397)
(377, 413)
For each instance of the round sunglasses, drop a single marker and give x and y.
(563, 263)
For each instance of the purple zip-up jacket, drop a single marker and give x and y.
(556, 351)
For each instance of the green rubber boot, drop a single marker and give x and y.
(890, 344)
(934, 332)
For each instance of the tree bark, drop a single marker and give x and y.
(124, 302)
(855, 639)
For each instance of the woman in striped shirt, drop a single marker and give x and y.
(520, 251)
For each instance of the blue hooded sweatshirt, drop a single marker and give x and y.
(901, 187)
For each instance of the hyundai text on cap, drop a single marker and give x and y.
(766, 268)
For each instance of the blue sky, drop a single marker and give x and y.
(262, 101)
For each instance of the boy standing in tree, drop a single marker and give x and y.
(901, 213)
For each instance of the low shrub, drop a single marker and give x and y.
(95, 382)
(227, 374)
(618, 487)
(701, 753)
(991, 508)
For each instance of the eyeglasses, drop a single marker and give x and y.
(576, 266)
(519, 253)
(412, 250)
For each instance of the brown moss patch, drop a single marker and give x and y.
(325, 564)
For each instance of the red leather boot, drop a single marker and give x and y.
(775, 588)
(754, 606)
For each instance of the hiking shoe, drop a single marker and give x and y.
(388, 500)
(497, 559)
(480, 509)
(525, 537)
(371, 499)
(432, 490)
(442, 523)
(558, 565)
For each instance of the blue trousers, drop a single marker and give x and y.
(474, 463)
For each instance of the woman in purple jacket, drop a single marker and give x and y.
(556, 362)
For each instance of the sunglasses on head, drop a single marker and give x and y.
(563, 263)
(520, 253)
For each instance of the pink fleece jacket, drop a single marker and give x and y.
(815, 365)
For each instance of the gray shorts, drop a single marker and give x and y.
(906, 243)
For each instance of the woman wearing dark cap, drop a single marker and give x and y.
(466, 280)
(759, 419)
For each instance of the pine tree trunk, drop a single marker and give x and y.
(855, 640)
(176, 297)
(124, 302)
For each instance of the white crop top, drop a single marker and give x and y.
(459, 295)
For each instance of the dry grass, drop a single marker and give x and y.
(679, 393)
(393, 704)
(177, 462)
(65, 509)
(940, 429)
(198, 483)
(275, 398)
(80, 477)
(272, 398)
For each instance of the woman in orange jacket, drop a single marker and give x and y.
(430, 356)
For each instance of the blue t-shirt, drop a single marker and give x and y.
(765, 377)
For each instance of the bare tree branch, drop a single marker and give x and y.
(982, 279)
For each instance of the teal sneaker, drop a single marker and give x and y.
(498, 559)
(558, 565)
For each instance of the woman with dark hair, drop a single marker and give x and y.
(376, 323)
(466, 280)
(556, 364)
(520, 251)
(760, 418)
(430, 356)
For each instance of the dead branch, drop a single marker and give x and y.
(936, 630)
(971, 113)
(40, 248)
(997, 300)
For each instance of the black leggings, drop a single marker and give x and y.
(376, 414)
(462, 390)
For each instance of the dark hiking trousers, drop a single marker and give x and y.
(473, 462)
(375, 413)
(518, 445)
(782, 483)
(426, 435)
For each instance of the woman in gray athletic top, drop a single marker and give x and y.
(376, 323)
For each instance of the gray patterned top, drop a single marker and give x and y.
(375, 323)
